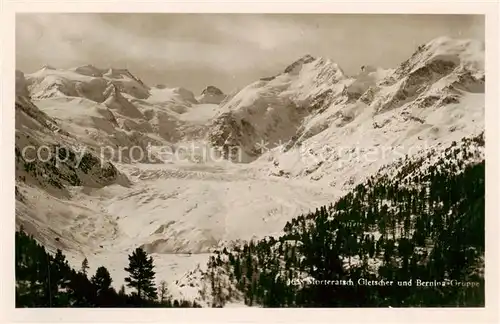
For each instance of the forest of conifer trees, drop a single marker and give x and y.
(419, 220)
(46, 280)
(424, 223)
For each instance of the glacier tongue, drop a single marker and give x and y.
(226, 167)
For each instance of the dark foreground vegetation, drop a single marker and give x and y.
(410, 236)
(46, 280)
(421, 220)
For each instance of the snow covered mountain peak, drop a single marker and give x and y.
(84, 81)
(298, 64)
(273, 109)
(111, 90)
(446, 53)
(442, 68)
(114, 73)
(89, 70)
(116, 101)
(211, 95)
(307, 133)
(315, 98)
(314, 69)
(212, 90)
(435, 96)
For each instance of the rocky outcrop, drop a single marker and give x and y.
(295, 66)
(271, 111)
(211, 95)
(442, 66)
(50, 158)
(314, 94)
(85, 81)
(116, 101)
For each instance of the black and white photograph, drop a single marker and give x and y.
(249, 160)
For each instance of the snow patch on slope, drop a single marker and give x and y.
(86, 81)
(325, 131)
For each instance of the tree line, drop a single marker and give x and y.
(420, 219)
(46, 280)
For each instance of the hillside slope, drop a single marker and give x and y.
(410, 237)
(307, 136)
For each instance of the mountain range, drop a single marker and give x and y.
(240, 165)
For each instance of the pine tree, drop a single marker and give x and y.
(106, 295)
(85, 266)
(101, 280)
(163, 292)
(45, 280)
(141, 269)
(59, 272)
(431, 221)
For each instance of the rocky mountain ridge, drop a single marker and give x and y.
(306, 135)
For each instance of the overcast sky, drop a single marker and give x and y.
(225, 50)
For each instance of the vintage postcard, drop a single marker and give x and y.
(305, 160)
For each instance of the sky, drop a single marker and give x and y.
(228, 51)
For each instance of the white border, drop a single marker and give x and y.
(229, 315)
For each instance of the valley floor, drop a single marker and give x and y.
(320, 132)
(177, 212)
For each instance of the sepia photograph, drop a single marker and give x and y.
(250, 160)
